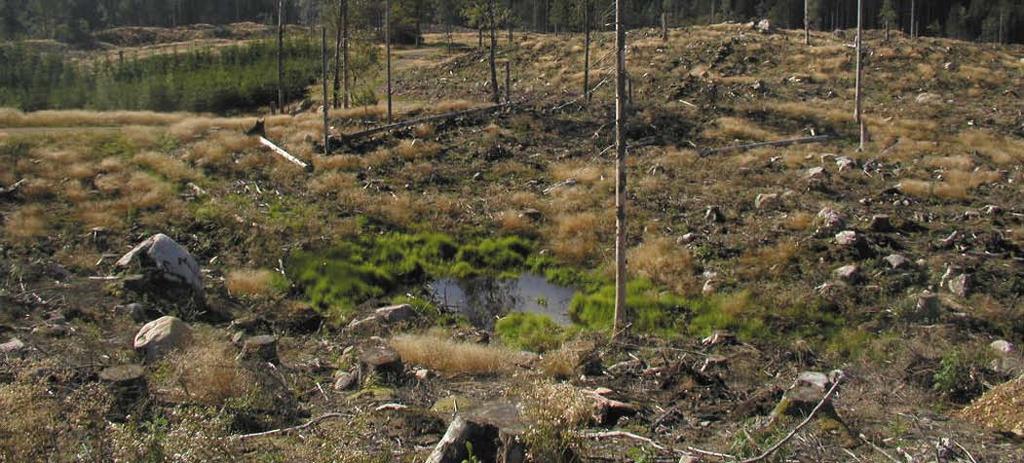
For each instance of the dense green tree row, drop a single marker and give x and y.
(73, 20)
(219, 81)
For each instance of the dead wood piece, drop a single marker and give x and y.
(629, 435)
(412, 122)
(792, 141)
(287, 430)
(281, 152)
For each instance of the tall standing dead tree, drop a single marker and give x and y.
(858, 109)
(326, 108)
(807, 22)
(496, 97)
(280, 55)
(346, 93)
(387, 46)
(618, 326)
(586, 49)
(336, 83)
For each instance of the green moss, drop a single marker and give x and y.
(650, 309)
(349, 273)
(529, 331)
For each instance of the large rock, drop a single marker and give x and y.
(161, 336)
(395, 313)
(14, 345)
(807, 391)
(164, 263)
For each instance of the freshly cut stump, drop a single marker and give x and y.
(127, 384)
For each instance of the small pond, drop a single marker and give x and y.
(483, 300)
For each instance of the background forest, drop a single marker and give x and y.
(76, 20)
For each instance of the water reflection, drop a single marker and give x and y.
(482, 300)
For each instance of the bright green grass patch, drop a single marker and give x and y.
(340, 278)
(651, 310)
(530, 331)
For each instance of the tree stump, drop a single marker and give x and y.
(127, 384)
(260, 349)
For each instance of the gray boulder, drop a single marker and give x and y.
(164, 262)
(161, 336)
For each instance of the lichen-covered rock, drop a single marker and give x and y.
(165, 263)
(161, 336)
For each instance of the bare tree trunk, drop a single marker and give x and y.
(336, 84)
(858, 111)
(887, 30)
(387, 46)
(913, 20)
(587, 12)
(712, 11)
(327, 108)
(480, 37)
(807, 22)
(511, 23)
(508, 82)
(346, 94)
(280, 55)
(664, 24)
(620, 172)
(494, 44)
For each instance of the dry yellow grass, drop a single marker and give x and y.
(454, 357)
(73, 118)
(374, 112)
(797, 110)
(798, 221)
(166, 166)
(511, 221)
(579, 171)
(424, 130)
(1002, 150)
(144, 191)
(25, 224)
(208, 373)
(337, 162)
(661, 260)
(412, 150)
(767, 261)
(574, 236)
(961, 162)
(251, 282)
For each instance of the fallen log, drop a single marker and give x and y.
(791, 141)
(11, 190)
(409, 123)
(280, 151)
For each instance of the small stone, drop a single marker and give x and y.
(260, 348)
(807, 391)
(766, 200)
(960, 284)
(719, 337)
(847, 238)
(847, 273)
(816, 173)
(710, 287)
(897, 261)
(395, 313)
(829, 219)
(927, 98)
(381, 359)
(1002, 347)
(844, 163)
(138, 312)
(161, 336)
(992, 210)
(765, 26)
(714, 214)
(422, 374)
(344, 380)
(881, 224)
(687, 238)
(14, 345)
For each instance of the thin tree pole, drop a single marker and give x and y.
(858, 111)
(620, 170)
(346, 96)
(280, 55)
(387, 46)
(586, 50)
(511, 23)
(336, 84)
(494, 44)
(807, 22)
(508, 82)
(664, 24)
(913, 20)
(327, 109)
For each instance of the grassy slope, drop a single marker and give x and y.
(950, 159)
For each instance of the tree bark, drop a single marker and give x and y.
(511, 23)
(280, 55)
(858, 111)
(620, 171)
(586, 49)
(387, 46)
(494, 44)
(346, 94)
(336, 83)
(326, 102)
(664, 24)
(807, 22)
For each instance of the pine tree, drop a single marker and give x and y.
(887, 16)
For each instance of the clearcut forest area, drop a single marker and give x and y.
(390, 231)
